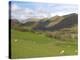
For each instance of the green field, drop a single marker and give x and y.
(29, 45)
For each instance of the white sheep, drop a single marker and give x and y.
(61, 52)
(16, 40)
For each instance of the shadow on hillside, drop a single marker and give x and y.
(68, 22)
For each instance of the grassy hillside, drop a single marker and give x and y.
(50, 24)
(68, 21)
(28, 44)
(55, 36)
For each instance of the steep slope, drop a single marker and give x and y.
(29, 20)
(14, 22)
(41, 25)
(68, 22)
(57, 22)
(49, 24)
(54, 20)
(44, 23)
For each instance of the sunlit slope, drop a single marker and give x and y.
(28, 44)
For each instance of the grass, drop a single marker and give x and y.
(29, 45)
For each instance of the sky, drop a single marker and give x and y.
(24, 10)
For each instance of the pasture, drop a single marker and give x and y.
(29, 45)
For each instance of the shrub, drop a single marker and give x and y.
(31, 30)
(21, 29)
(49, 34)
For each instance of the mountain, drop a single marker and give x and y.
(57, 22)
(50, 24)
(68, 21)
(14, 22)
(29, 20)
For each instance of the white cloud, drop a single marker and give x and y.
(28, 11)
(14, 7)
(41, 12)
(61, 13)
(20, 13)
(24, 13)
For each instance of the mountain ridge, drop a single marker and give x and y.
(53, 23)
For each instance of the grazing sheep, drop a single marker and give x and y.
(76, 51)
(16, 40)
(61, 52)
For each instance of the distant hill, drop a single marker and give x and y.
(68, 21)
(58, 22)
(14, 22)
(50, 24)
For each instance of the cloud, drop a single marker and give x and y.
(25, 11)
(14, 7)
(64, 8)
(41, 12)
(20, 13)
(60, 13)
